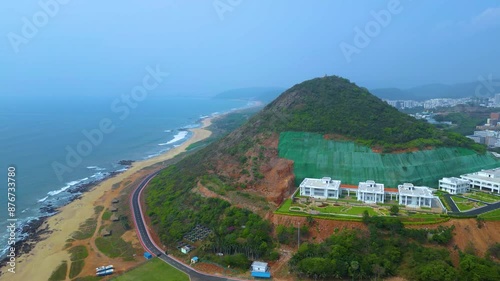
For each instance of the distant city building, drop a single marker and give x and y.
(370, 192)
(497, 99)
(415, 196)
(488, 180)
(488, 137)
(477, 139)
(320, 188)
(454, 185)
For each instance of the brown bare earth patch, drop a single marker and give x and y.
(320, 228)
(131, 236)
(336, 137)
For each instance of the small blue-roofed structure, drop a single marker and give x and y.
(194, 260)
(260, 270)
(147, 255)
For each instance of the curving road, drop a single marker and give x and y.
(149, 245)
(474, 212)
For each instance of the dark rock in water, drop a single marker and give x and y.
(49, 209)
(126, 162)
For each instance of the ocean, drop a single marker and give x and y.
(59, 144)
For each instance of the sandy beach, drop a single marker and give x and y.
(49, 253)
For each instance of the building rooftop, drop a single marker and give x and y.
(492, 175)
(325, 182)
(371, 186)
(453, 180)
(259, 264)
(409, 189)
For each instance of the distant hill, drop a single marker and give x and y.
(264, 94)
(432, 91)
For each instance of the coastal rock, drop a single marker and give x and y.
(126, 162)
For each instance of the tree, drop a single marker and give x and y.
(394, 210)
(354, 266)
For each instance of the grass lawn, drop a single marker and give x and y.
(491, 216)
(359, 211)
(60, 272)
(153, 270)
(483, 196)
(78, 255)
(465, 204)
(106, 215)
(86, 230)
(114, 247)
(285, 206)
(329, 209)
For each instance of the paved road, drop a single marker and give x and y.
(148, 243)
(474, 212)
(451, 203)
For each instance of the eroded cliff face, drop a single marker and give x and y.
(259, 170)
(278, 182)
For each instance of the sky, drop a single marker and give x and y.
(76, 47)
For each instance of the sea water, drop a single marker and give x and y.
(38, 135)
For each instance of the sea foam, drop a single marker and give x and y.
(180, 136)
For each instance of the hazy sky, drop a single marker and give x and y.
(76, 47)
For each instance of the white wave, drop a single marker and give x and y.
(122, 170)
(43, 199)
(64, 188)
(180, 136)
(151, 156)
(168, 131)
(97, 168)
(192, 126)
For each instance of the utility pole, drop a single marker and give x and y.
(298, 236)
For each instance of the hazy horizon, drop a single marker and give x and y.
(56, 47)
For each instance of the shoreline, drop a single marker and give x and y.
(48, 235)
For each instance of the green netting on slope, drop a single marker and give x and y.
(316, 157)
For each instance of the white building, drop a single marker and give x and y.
(488, 180)
(370, 192)
(320, 188)
(260, 270)
(415, 196)
(454, 185)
